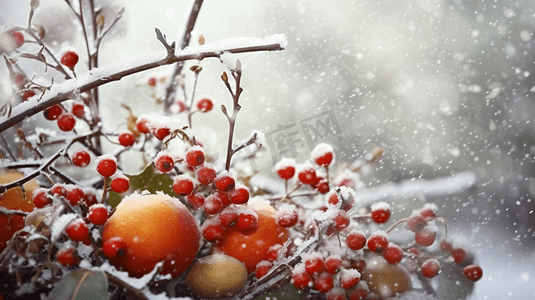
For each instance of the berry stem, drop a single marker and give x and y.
(396, 224)
(236, 73)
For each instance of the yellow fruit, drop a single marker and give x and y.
(386, 280)
(12, 198)
(217, 276)
(155, 228)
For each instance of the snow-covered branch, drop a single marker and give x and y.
(114, 72)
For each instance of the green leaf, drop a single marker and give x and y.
(80, 285)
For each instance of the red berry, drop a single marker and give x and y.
(323, 186)
(333, 199)
(81, 158)
(341, 221)
(378, 241)
(307, 175)
(459, 255)
(286, 173)
(333, 264)
(114, 247)
(430, 268)
(75, 194)
(360, 292)
(181, 106)
(393, 253)
(239, 195)
(425, 237)
(152, 81)
(161, 133)
(228, 217)
(286, 217)
(182, 185)
(336, 294)
(473, 272)
(78, 109)
(446, 245)
(89, 199)
(359, 265)
(77, 230)
(416, 222)
(212, 205)
(98, 214)
(247, 222)
(213, 232)
(196, 200)
(141, 126)
(69, 59)
(120, 184)
(206, 175)
(53, 112)
(18, 37)
(126, 138)
(195, 156)
(223, 197)
(106, 167)
(300, 278)
(164, 163)
(205, 105)
(27, 94)
(380, 212)
(67, 256)
(66, 122)
(225, 182)
(59, 189)
(40, 198)
(314, 264)
(414, 251)
(273, 252)
(262, 268)
(323, 154)
(323, 283)
(356, 240)
(348, 278)
(429, 211)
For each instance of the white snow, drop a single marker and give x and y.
(105, 156)
(260, 138)
(284, 163)
(320, 150)
(380, 205)
(415, 295)
(59, 225)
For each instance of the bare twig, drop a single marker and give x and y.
(121, 284)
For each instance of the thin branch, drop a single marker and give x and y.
(121, 284)
(118, 75)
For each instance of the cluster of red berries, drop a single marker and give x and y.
(65, 119)
(144, 126)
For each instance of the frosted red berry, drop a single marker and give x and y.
(195, 156)
(81, 158)
(323, 187)
(239, 195)
(75, 194)
(225, 183)
(286, 217)
(223, 197)
(300, 280)
(69, 59)
(120, 184)
(416, 222)
(359, 265)
(182, 185)
(459, 255)
(228, 218)
(142, 126)
(336, 294)
(428, 213)
(205, 105)
(314, 264)
(18, 37)
(247, 222)
(356, 240)
(66, 122)
(58, 189)
(333, 264)
(473, 272)
(307, 175)
(323, 154)
(78, 110)
(273, 252)
(114, 247)
(323, 283)
(212, 205)
(53, 112)
(393, 254)
(213, 232)
(286, 173)
(262, 268)
(126, 138)
(161, 132)
(358, 293)
(206, 175)
(377, 241)
(67, 256)
(77, 230)
(40, 198)
(27, 94)
(164, 163)
(98, 214)
(324, 160)
(380, 215)
(341, 221)
(195, 200)
(430, 268)
(425, 237)
(348, 278)
(446, 245)
(106, 167)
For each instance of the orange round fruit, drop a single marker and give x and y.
(252, 248)
(386, 280)
(155, 228)
(12, 199)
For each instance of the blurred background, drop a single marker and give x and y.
(443, 86)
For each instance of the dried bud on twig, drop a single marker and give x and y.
(201, 40)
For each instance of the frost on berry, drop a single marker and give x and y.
(228, 217)
(415, 222)
(333, 264)
(285, 168)
(348, 278)
(425, 237)
(212, 230)
(239, 195)
(119, 183)
(323, 282)
(380, 212)
(73, 193)
(183, 185)
(195, 156)
(429, 211)
(81, 158)
(300, 278)
(430, 268)
(206, 175)
(393, 253)
(286, 217)
(378, 241)
(262, 268)
(306, 173)
(97, 214)
(247, 220)
(106, 165)
(164, 162)
(225, 182)
(126, 138)
(212, 205)
(196, 200)
(314, 263)
(356, 240)
(323, 155)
